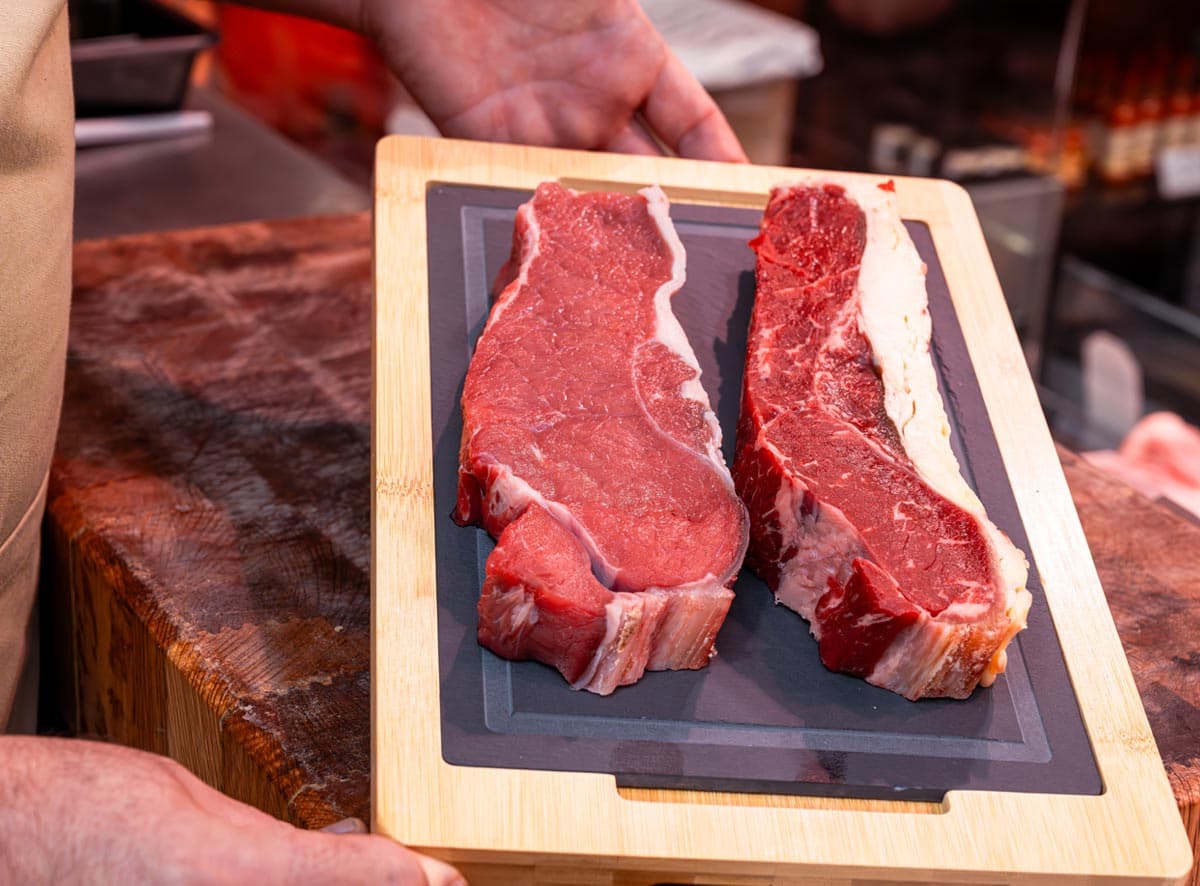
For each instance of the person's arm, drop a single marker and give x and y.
(589, 74)
(74, 811)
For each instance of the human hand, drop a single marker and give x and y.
(568, 74)
(74, 811)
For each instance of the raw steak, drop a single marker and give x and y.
(590, 451)
(860, 519)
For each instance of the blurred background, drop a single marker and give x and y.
(1073, 124)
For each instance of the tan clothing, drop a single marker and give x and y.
(36, 182)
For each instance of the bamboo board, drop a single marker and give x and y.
(507, 825)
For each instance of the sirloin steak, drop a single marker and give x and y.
(860, 519)
(591, 453)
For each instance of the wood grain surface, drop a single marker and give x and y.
(1148, 557)
(1131, 833)
(209, 509)
(198, 582)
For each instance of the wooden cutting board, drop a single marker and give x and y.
(509, 825)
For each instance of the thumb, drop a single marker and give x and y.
(364, 858)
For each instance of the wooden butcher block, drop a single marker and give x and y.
(1148, 557)
(515, 779)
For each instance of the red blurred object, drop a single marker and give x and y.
(1160, 456)
(304, 78)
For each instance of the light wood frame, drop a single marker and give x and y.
(508, 825)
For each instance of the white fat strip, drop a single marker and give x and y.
(965, 611)
(871, 618)
(520, 610)
(684, 629)
(894, 317)
(676, 636)
(529, 252)
(509, 494)
(616, 612)
(918, 651)
(668, 330)
(927, 652)
(766, 348)
(825, 543)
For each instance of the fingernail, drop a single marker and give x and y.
(346, 826)
(438, 873)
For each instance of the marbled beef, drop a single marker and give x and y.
(860, 519)
(591, 453)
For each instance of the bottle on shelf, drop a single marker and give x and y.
(1177, 119)
(1147, 131)
(1094, 94)
(1073, 158)
(1115, 160)
(1194, 129)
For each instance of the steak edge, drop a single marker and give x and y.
(591, 453)
(860, 519)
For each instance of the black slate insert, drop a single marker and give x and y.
(765, 716)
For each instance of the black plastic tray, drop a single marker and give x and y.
(132, 56)
(765, 715)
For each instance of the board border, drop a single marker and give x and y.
(522, 825)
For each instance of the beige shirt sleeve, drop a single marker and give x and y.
(36, 182)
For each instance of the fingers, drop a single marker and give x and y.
(634, 140)
(362, 858)
(438, 873)
(686, 118)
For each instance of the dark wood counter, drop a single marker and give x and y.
(209, 511)
(1148, 557)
